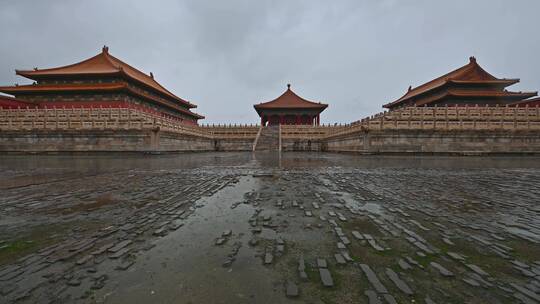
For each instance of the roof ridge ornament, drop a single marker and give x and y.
(151, 75)
(409, 89)
(472, 59)
(105, 49)
(288, 86)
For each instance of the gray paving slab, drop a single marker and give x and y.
(373, 279)
(326, 277)
(400, 284)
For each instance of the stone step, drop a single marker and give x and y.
(268, 139)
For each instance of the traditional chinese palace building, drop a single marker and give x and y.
(100, 81)
(467, 86)
(290, 109)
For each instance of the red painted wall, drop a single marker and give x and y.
(12, 103)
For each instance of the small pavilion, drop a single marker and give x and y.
(290, 109)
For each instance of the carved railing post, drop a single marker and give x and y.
(527, 118)
(56, 118)
(515, 117)
(446, 116)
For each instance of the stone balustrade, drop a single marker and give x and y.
(231, 131)
(419, 118)
(448, 118)
(309, 132)
(74, 119)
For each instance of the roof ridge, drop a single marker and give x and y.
(487, 80)
(19, 72)
(107, 56)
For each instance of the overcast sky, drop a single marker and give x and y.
(226, 56)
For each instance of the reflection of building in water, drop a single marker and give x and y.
(100, 81)
(467, 86)
(290, 109)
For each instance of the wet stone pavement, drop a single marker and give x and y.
(264, 228)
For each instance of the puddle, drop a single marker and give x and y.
(353, 203)
(522, 233)
(374, 208)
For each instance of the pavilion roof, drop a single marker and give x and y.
(104, 64)
(290, 100)
(471, 73)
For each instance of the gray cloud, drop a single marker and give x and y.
(228, 55)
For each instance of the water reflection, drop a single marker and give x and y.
(288, 160)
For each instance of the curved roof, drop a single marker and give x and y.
(470, 73)
(103, 64)
(289, 100)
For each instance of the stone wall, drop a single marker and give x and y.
(233, 144)
(387, 141)
(434, 141)
(301, 145)
(101, 141)
(175, 142)
(72, 141)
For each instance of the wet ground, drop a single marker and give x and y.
(244, 228)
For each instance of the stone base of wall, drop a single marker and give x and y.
(101, 141)
(373, 142)
(300, 145)
(437, 142)
(234, 144)
(174, 142)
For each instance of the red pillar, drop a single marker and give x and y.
(318, 119)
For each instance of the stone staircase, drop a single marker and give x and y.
(268, 139)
